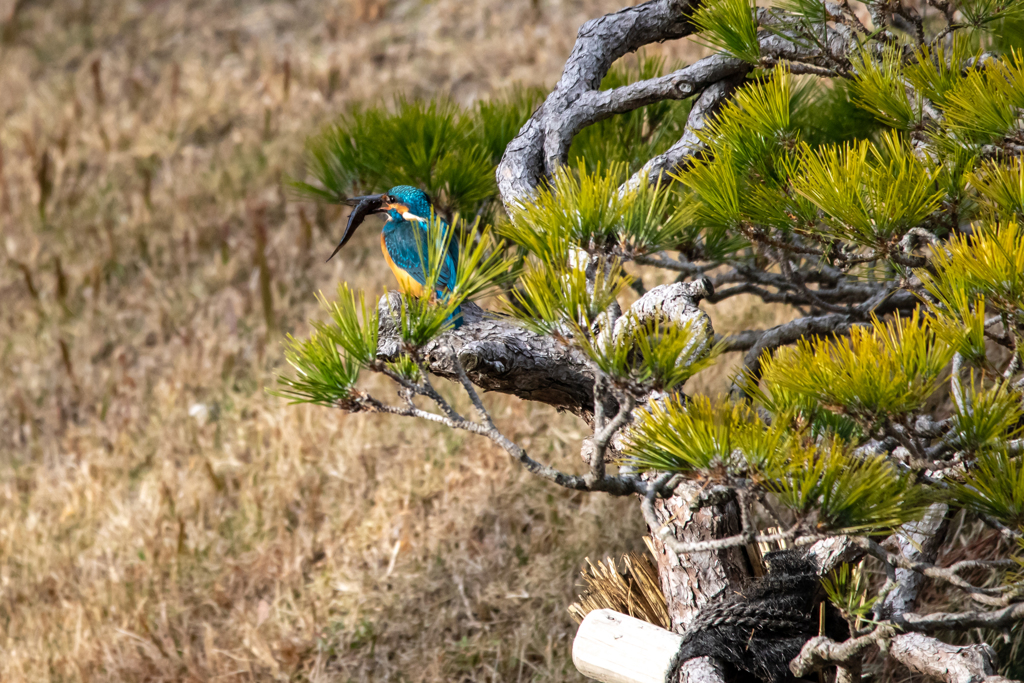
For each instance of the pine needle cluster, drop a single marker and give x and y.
(448, 151)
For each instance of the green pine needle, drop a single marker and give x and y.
(655, 356)
(432, 145)
(811, 10)
(842, 492)
(656, 217)
(797, 410)
(355, 325)
(880, 89)
(406, 368)
(869, 196)
(987, 420)
(888, 369)
(717, 183)
(704, 435)
(823, 113)
(324, 375)
(983, 106)
(730, 26)
(847, 588)
(989, 263)
(500, 118)
(1001, 188)
(671, 354)
(560, 301)
(994, 487)
(581, 210)
(959, 318)
(755, 125)
(938, 69)
(588, 210)
(979, 13)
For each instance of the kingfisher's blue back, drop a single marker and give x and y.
(404, 239)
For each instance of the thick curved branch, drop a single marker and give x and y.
(542, 145)
(704, 110)
(594, 105)
(715, 77)
(949, 663)
(919, 541)
(920, 653)
(500, 355)
(598, 44)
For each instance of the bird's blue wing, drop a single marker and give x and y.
(404, 249)
(405, 252)
(449, 268)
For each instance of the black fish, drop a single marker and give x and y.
(365, 206)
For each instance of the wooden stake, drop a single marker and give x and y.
(615, 648)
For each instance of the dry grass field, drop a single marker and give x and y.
(163, 518)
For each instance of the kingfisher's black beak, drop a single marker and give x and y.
(366, 205)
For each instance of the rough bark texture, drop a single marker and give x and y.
(543, 142)
(701, 670)
(920, 542)
(499, 355)
(691, 581)
(673, 304)
(950, 663)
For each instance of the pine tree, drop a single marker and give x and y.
(868, 174)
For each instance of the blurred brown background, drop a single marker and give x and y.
(161, 516)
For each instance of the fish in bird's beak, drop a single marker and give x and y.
(365, 206)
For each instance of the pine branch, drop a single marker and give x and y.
(963, 621)
(741, 341)
(599, 43)
(951, 574)
(618, 486)
(499, 355)
(817, 653)
(787, 333)
(948, 663)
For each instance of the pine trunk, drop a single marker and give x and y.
(691, 581)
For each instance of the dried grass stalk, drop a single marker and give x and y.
(632, 590)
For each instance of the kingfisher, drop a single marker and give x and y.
(404, 238)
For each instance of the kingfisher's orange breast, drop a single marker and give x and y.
(405, 281)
